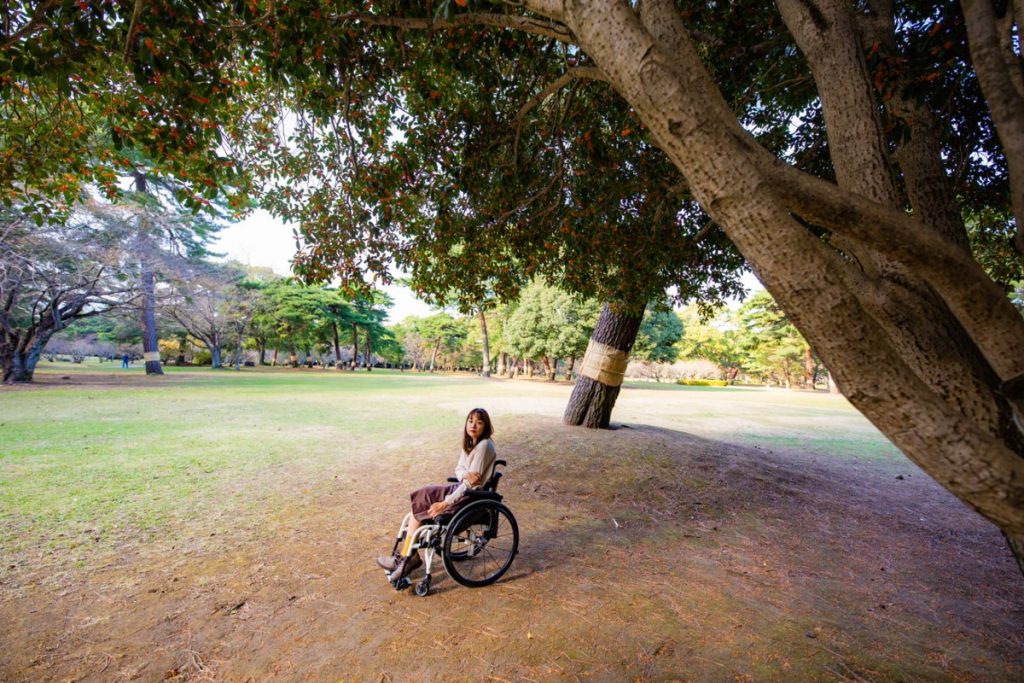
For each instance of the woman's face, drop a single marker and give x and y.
(474, 426)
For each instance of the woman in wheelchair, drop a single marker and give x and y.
(459, 519)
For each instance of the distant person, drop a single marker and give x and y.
(124, 361)
(475, 467)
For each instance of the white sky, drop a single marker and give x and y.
(262, 240)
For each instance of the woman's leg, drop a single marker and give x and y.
(414, 524)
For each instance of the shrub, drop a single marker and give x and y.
(202, 358)
(703, 382)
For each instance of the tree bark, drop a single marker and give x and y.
(368, 353)
(809, 368)
(568, 367)
(355, 347)
(549, 367)
(486, 371)
(592, 402)
(337, 346)
(215, 359)
(433, 356)
(150, 338)
(20, 354)
(182, 341)
(502, 363)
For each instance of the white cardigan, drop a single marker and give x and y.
(480, 459)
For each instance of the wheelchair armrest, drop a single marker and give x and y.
(500, 462)
(453, 480)
(481, 494)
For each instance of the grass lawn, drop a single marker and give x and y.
(221, 524)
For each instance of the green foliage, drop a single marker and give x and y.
(660, 331)
(202, 358)
(548, 323)
(757, 340)
(716, 341)
(774, 348)
(86, 86)
(991, 233)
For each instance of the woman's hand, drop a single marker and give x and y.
(437, 508)
(472, 478)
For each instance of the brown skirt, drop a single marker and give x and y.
(422, 498)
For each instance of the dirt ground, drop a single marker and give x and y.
(645, 555)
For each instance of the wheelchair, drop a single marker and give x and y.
(477, 542)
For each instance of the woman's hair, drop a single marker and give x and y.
(467, 440)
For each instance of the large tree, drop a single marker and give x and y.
(53, 274)
(853, 233)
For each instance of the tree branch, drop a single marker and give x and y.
(29, 28)
(589, 72)
(997, 329)
(1005, 102)
(537, 27)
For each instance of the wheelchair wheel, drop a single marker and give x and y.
(480, 543)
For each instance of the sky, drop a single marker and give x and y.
(262, 240)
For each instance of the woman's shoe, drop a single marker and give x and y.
(387, 562)
(404, 566)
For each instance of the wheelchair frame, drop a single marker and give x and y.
(436, 538)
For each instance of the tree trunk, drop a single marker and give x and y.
(433, 356)
(486, 371)
(273, 359)
(215, 355)
(337, 346)
(238, 353)
(549, 367)
(568, 367)
(513, 367)
(809, 368)
(182, 341)
(368, 353)
(263, 353)
(150, 338)
(355, 347)
(594, 394)
(20, 354)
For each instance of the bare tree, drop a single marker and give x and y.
(51, 275)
